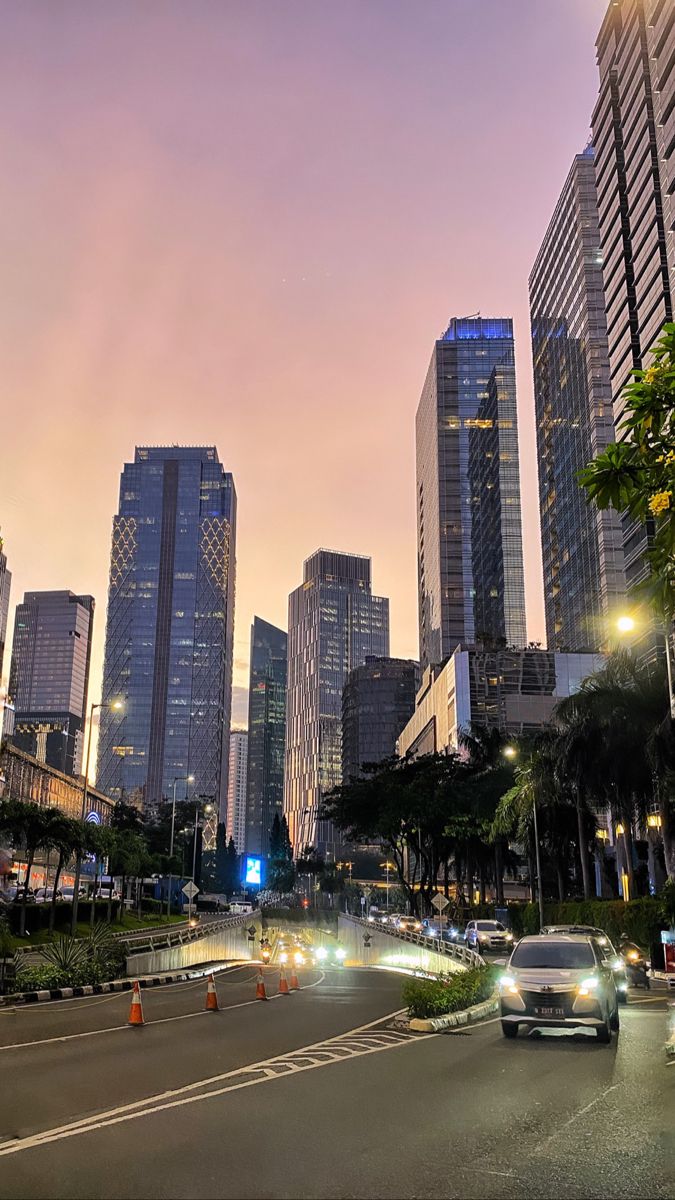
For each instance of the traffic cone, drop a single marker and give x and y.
(295, 986)
(260, 993)
(283, 983)
(136, 1010)
(211, 995)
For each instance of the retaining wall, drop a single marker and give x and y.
(371, 945)
(223, 939)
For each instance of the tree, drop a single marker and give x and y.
(231, 879)
(28, 824)
(60, 836)
(637, 473)
(281, 870)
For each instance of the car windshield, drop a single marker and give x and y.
(493, 926)
(571, 956)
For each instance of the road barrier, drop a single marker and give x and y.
(375, 944)
(184, 946)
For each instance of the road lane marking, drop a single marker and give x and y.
(71, 1037)
(291, 1064)
(575, 1117)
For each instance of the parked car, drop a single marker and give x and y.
(559, 980)
(14, 894)
(44, 895)
(487, 935)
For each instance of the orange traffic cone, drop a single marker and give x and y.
(260, 993)
(283, 983)
(136, 1010)
(295, 986)
(211, 995)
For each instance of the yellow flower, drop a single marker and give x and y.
(670, 456)
(660, 503)
(651, 375)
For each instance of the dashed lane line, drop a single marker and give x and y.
(308, 1058)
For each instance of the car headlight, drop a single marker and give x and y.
(509, 937)
(283, 957)
(587, 986)
(617, 964)
(322, 953)
(483, 937)
(340, 953)
(633, 955)
(508, 984)
(432, 932)
(602, 941)
(299, 958)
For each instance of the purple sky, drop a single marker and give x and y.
(245, 223)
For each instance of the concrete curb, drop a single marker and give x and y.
(465, 1016)
(115, 985)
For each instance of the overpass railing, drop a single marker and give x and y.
(181, 935)
(462, 954)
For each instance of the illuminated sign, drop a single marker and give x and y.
(253, 873)
(93, 818)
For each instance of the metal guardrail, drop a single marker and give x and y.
(469, 958)
(181, 935)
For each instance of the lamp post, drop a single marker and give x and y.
(179, 779)
(115, 706)
(387, 865)
(511, 752)
(207, 810)
(626, 624)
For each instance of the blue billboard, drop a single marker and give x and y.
(253, 871)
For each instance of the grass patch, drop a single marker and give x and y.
(448, 993)
(130, 924)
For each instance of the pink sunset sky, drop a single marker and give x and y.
(245, 223)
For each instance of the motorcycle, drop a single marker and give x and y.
(635, 964)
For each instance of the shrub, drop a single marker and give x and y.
(448, 993)
(35, 979)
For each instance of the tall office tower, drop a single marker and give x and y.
(169, 632)
(582, 548)
(634, 138)
(334, 623)
(236, 789)
(49, 676)
(470, 554)
(5, 586)
(266, 733)
(378, 700)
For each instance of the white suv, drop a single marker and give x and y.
(487, 935)
(560, 980)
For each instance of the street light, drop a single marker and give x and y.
(115, 706)
(179, 779)
(387, 866)
(627, 624)
(207, 811)
(511, 752)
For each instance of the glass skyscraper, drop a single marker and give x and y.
(169, 632)
(582, 548)
(334, 623)
(378, 700)
(470, 555)
(236, 789)
(49, 676)
(266, 733)
(634, 138)
(5, 586)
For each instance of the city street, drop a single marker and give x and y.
(319, 1094)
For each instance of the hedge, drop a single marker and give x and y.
(449, 993)
(640, 919)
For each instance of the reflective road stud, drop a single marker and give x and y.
(211, 996)
(136, 1010)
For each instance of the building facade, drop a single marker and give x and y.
(334, 623)
(49, 676)
(5, 587)
(378, 700)
(24, 777)
(470, 555)
(266, 733)
(582, 547)
(634, 137)
(510, 690)
(236, 789)
(169, 632)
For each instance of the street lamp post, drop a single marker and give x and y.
(179, 779)
(115, 705)
(626, 624)
(386, 866)
(537, 851)
(207, 810)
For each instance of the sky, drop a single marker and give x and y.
(244, 223)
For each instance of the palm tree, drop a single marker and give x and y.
(26, 823)
(60, 835)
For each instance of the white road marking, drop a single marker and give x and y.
(178, 1097)
(71, 1037)
(575, 1117)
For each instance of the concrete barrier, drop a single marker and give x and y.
(372, 945)
(219, 939)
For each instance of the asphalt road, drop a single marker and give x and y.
(320, 1095)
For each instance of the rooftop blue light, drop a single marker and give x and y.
(473, 328)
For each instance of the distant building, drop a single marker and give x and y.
(236, 789)
(334, 623)
(49, 676)
(510, 690)
(634, 138)
(582, 549)
(378, 700)
(24, 777)
(5, 586)
(266, 733)
(169, 632)
(470, 556)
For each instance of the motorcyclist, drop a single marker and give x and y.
(635, 961)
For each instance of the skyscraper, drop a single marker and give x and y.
(582, 549)
(266, 733)
(634, 138)
(169, 632)
(470, 555)
(378, 699)
(5, 586)
(49, 676)
(236, 789)
(334, 623)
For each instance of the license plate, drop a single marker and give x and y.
(549, 1012)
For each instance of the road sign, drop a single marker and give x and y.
(190, 890)
(92, 818)
(440, 901)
